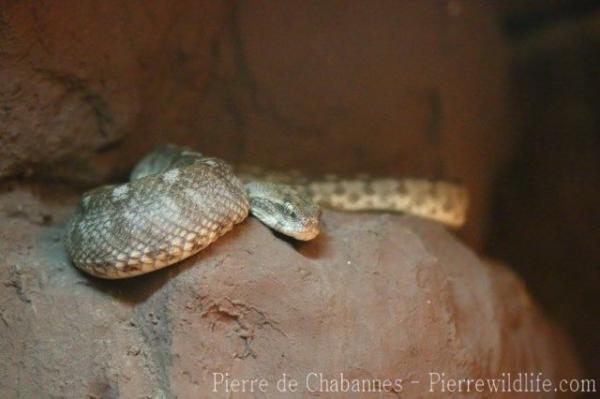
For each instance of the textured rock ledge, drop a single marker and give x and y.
(376, 296)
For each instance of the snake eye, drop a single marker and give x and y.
(291, 211)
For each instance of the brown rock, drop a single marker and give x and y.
(376, 296)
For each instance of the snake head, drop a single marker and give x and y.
(284, 209)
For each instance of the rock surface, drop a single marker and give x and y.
(376, 296)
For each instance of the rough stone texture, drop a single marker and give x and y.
(376, 296)
(403, 88)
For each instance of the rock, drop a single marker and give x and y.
(377, 296)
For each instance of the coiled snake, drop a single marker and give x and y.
(177, 202)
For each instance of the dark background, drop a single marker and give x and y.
(546, 221)
(500, 95)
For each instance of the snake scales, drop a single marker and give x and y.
(177, 202)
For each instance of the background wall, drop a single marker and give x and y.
(404, 88)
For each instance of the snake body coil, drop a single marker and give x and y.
(178, 202)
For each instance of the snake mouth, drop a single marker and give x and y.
(304, 235)
(305, 231)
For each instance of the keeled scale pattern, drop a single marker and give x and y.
(135, 228)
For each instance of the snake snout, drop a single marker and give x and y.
(310, 228)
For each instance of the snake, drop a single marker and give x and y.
(178, 201)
